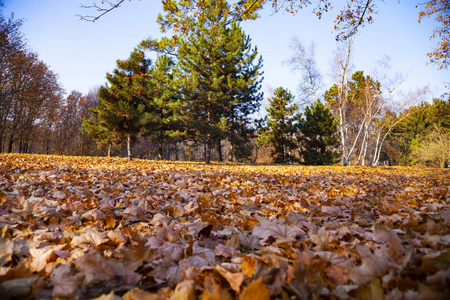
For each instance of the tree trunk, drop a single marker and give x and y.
(208, 149)
(109, 150)
(130, 156)
(442, 163)
(11, 142)
(209, 142)
(1, 142)
(219, 149)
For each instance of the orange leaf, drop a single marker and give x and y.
(256, 290)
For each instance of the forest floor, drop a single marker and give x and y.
(106, 228)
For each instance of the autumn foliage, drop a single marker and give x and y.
(78, 227)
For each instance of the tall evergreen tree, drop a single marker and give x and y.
(162, 121)
(318, 136)
(122, 102)
(218, 78)
(102, 132)
(282, 125)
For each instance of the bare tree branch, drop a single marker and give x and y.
(102, 10)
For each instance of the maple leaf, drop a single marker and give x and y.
(234, 279)
(160, 220)
(133, 213)
(322, 239)
(90, 237)
(93, 215)
(249, 241)
(373, 264)
(225, 251)
(42, 255)
(166, 272)
(205, 255)
(117, 237)
(96, 268)
(65, 281)
(280, 233)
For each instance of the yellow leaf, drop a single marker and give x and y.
(248, 267)
(185, 290)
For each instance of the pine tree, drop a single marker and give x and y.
(162, 121)
(218, 78)
(318, 136)
(102, 132)
(122, 102)
(282, 125)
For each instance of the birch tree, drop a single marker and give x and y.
(303, 62)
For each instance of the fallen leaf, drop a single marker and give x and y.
(185, 290)
(234, 279)
(225, 251)
(110, 296)
(138, 294)
(280, 233)
(256, 290)
(65, 281)
(96, 268)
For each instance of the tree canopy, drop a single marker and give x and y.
(354, 15)
(282, 127)
(219, 77)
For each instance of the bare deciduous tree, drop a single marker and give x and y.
(303, 62)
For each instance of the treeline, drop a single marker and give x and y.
(34, 115)
(198, 98)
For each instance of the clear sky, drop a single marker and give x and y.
(83, 52)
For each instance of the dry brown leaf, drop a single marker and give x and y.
(369, 291)
(280, 233)
(234, 279)
(225, 251)
(373, 264)
(96, 268)
(65, 281)
(90, 238)
(173, 221)
(22, 288)
(133, 213)
(43, 255)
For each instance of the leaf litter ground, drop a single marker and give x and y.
(106, 228)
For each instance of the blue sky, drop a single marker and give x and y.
(83, 52)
